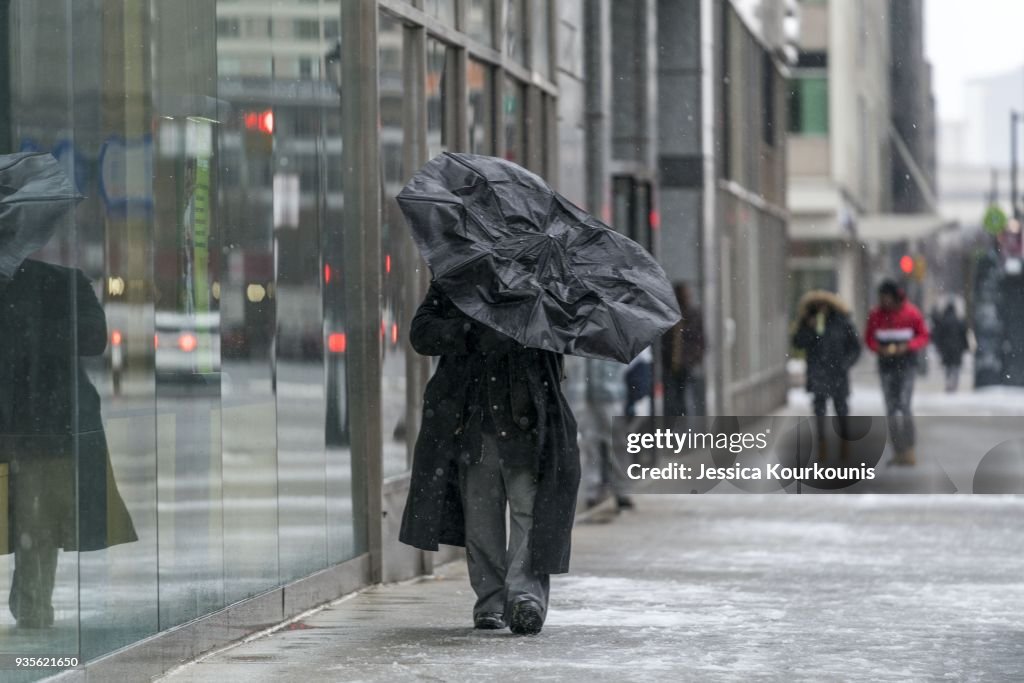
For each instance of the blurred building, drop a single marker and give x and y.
(706, 139)
(862, 146)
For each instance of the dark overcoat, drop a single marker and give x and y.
(50, 418)
(831, 354)
(949, 334)
(451, 425)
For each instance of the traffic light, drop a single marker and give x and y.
(259, 131)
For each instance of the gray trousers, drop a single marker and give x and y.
(898, 390)
(499, 560)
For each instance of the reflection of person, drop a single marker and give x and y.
(949, 334)
(496, 432)
(605, 397)
(896, 332)
(829, 340)
(51, 433)
(682, 349)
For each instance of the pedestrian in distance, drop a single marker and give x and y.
(896, 332)
(828, 338)
(682, 350)
(949, 335)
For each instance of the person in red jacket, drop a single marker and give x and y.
(896, 331)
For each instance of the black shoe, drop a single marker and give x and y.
(527, 618)
(625, 503)
(489, 621)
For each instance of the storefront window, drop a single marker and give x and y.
(437, 90)
(480, 21)
(213, 461)
(515, 29)
(514, 106)
(540, 48)
(480, 85)
(441, 9)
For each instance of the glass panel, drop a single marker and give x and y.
(515, 133)
(442, 9)
(346, 525)
(292, 192)
(398, 273)
(247, 323)
(480, 21)
(540, 27)
(210, 165)
(480, 86)
(437, 97)
(97, 472)
(187, 319)
(515, 29)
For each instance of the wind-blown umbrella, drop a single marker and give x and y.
(516, 256)
(35, 194)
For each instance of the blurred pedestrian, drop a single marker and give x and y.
(682, 349)
(829, 340)
(605, 398)
(949, 334)
(896, 331)
(639, 381)
(499, 409)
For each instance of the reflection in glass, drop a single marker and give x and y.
(397, 272)
(187, 320)
(480, 87)
(515, 29)
(540, 49)
(442, 9)
(515, 129)
(437, 97)
(247, 322)
(480, 21)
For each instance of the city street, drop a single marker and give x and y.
(715, 587)
(703, 588)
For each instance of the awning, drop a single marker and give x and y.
(900, 227)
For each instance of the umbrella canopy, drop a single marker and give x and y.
(516, 256)
(35, 194)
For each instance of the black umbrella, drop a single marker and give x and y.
(35, 194)
(518, 257)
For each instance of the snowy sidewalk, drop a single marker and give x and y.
(815, 588)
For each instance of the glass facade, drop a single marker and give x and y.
(202, 293)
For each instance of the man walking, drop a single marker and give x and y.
(896, 331)
(496, 433)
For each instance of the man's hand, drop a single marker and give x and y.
(893, 350)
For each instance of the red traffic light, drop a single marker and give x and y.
(907, 264)
(263, 121)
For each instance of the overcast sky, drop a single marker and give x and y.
(969, 38)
